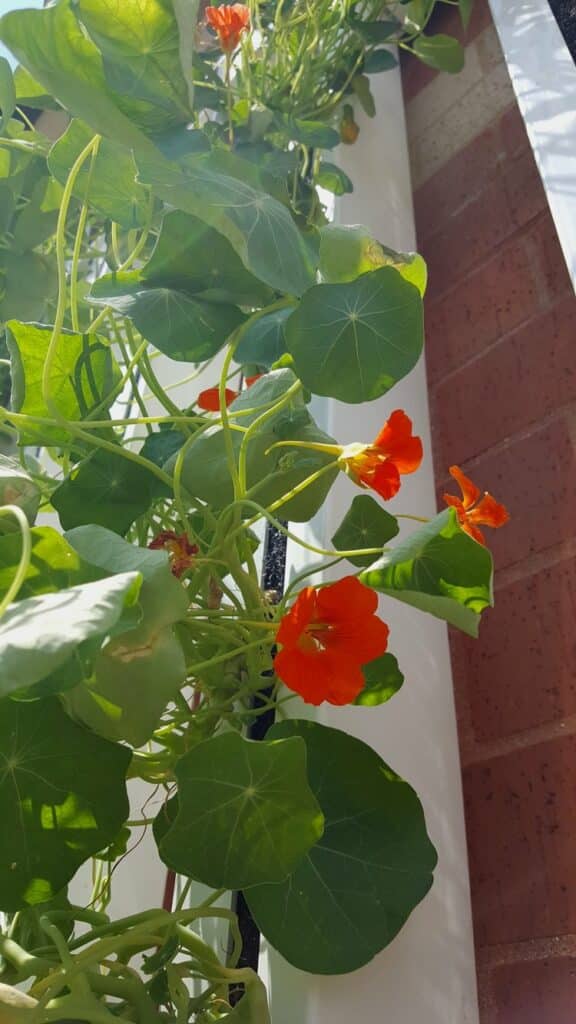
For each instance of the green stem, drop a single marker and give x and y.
(25, 555)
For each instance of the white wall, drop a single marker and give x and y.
(427, 974)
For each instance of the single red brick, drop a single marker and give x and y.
(521, 672)
(535, 992)
(522, 379)
(522, 843)
(535, 477)
(547, 259)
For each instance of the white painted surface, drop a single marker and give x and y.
(544, 79)
(427, 974)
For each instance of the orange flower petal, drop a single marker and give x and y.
(209, 400)
(345, 598)
(474, 532)
(470, 493)
(319, 677)
(397, 443)
(295, 621)
(489, 512)
(386, 479)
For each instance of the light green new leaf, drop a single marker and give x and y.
(107, 490)
(7, 93)
(253, 1007)
(62, 799)
(466, 11)
(108, 182)
(361, 881)
(192, 257)
(258, 227)
(382, 678)
(139, 672)
(181, 327)
(39, 634)
(442, 52)
(365, 525)
(139, 43)
(17, 488)
(54, 565)
(439, 569)
(355, 341)
(246, 814)
(84, 372)
(270, 474)
(58, 54)
(347, 251)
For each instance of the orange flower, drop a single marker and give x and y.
(326, 637)
(349, 130)
(229, 21)
(209, 400)
(179, 548)
(472, 512)
(380, 464)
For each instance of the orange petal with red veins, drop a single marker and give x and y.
(396, 441)
(489, 512)
(320, 676)
(385, 479)
(301, 614)
(474, 532)
(470, 493)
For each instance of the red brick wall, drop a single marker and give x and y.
(501, 346)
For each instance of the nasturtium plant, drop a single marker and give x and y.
(174, 214)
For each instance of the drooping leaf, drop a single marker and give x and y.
(84, 372)
(417, 13)
(181, 327)
(258, 227)
(466, 7)
(108, 182)
(355, 341)
(410, 265)
(33, 640)
(192, 257)
(7, 93)
(361, 86)
(440, 570)
(383, 679)
(17, 488)
(440, 51)
(245, 812)
(270, 474)
(140, 47)
(29, 282)
(53, 48)
(62, 798)
(379, 60)
(333, 179)
(361, 881)
(375, 31)
(107, 490)
(365, 525)
(139, 672)
(186, 14)
(308, 133)
(263, 342)
(253, 1007)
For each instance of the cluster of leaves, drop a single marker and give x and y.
(168, 218)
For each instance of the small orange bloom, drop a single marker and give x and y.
(229, 21)
(326, 637)
(380, 464)
(179, 548)
(209, 400)
(472, 512)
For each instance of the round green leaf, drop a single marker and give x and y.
(439, 569)
(245, 812)
(361, 881)
(383, 679)
(355, 341)
(379, 60)
(333, 179)
(181, 327)
(106, 489)
(315, 134)
(62, 799)
(263, 342)
(365, 525)
(440, 51)
(375, 31)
